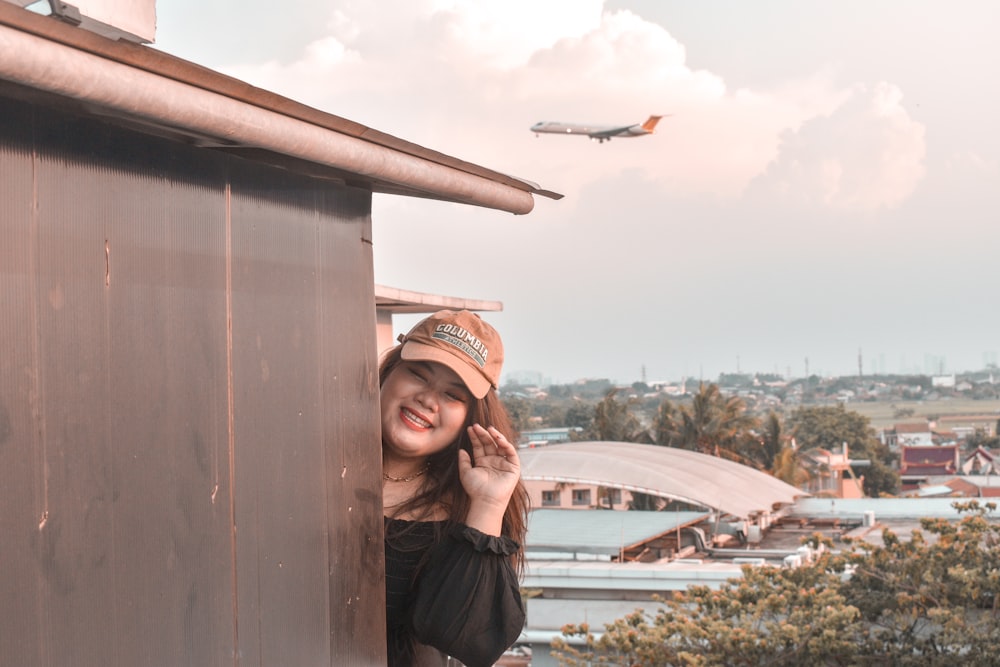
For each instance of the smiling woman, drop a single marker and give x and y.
(455, 507)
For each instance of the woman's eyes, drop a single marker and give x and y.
(454, 395)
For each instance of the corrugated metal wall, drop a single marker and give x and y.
(189, 465)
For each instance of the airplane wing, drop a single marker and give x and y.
(608, 132)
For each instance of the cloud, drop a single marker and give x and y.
(505, 35)
(469, 78)
(866, 155)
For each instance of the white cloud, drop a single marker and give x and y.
(469, 78)
(866, 155)
(504, 35)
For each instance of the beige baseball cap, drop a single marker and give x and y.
(463, 342)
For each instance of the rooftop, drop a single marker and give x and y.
(694, 478)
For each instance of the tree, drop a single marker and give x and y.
(917, 602)
(981, 438)
(641, 387)
(614, 422)
(773, 440)
(645, 502)
(519, 410)
(712, 424)
(787, 467)
(551, 415)
(932, 598)
(830, 427)
(770, 616)
(666, 425)
(579, 415)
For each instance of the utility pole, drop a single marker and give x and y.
(860, 372)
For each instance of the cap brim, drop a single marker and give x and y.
(478, 385)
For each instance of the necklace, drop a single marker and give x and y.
(389, 478)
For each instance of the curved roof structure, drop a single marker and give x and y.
(679, 474)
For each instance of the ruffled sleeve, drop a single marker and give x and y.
(468, 602)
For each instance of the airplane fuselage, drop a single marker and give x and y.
(599, 133)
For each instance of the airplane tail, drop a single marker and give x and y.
(650, 124)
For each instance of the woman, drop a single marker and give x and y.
(455, 508)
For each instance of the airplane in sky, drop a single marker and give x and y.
(601, 133)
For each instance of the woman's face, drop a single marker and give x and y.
(424, 406)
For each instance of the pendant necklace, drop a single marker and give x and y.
(389, 478)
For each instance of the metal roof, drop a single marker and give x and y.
(601, 531)
(153, 92)
(643, 577)
(884, 508)
(699, 479)
(401, 301)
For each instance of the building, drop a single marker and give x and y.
(391, 301)
(189, 452)
(910, 435)
(833, 473)
(549, 436)
(981, 462)
(919, 463)
(571, 475)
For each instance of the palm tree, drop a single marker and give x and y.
(765, 449)
(788, 467)
(712, 424)
(666, 425)
(614, 422)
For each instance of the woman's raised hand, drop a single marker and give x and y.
(489, 476)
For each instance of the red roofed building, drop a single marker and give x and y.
(917, 464)
(981, 462)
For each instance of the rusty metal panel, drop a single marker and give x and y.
(298, 333)
(188, 445)
(19, 456)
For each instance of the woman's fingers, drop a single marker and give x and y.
(481, 440)
(491, 442)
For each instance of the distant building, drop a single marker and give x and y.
(965, 425)
(909, 435)
(549, 436)
(981, 462)
(946, 381)
(918, 464)
(834, 474)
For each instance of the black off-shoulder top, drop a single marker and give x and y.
(451, 590)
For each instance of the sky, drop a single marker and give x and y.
(824, 192)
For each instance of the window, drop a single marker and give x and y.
(581, 496)
(550, 498)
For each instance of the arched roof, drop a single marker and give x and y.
(699, 479)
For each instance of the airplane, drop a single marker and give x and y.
(600, 133)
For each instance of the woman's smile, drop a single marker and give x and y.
(414, 419)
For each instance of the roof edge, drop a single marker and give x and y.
(429, 173)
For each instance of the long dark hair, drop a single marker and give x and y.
(442, 488)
